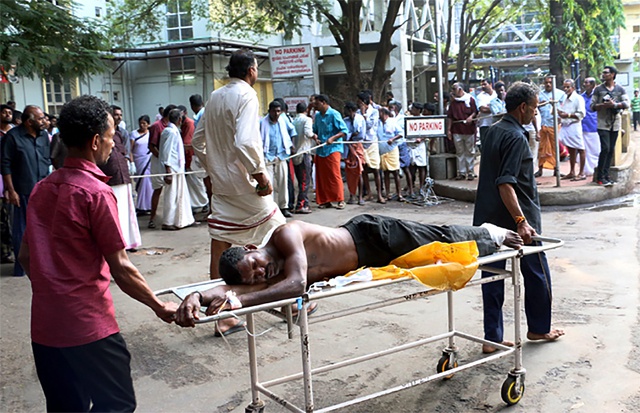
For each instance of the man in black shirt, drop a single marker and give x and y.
(507, 196)
(25, 161)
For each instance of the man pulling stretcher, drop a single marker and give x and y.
(299, 254)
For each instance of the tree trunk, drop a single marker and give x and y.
(380, 75)
(556, 49)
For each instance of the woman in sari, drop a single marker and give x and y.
(142, 157)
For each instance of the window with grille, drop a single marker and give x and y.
(57, 94)
(179, 22)
(182, 69)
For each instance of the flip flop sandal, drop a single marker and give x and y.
(234, 329)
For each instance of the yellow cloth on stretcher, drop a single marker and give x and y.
(437, 265)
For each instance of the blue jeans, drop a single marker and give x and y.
(537, 297)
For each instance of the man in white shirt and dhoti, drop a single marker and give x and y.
(571, 112)
(176, 212)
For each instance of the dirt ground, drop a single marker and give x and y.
(594, 368)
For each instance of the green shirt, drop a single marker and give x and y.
(635, 104)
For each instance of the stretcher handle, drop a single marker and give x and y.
(547, 239)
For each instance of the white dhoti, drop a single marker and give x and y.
(592, 151)
(243, 219)
(279, 175)
(176, 206)
(127, 216)
(419, 153)
(571, 135)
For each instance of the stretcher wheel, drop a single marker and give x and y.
(443, 365)
(253, 410)
(512, 390)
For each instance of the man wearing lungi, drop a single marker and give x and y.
(371, 152)
(299, 254)
(177, 204)
(571, 112)
(507, 196)
(328, 128)
(354, 164)
(227, 142)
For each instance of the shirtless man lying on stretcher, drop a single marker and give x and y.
(299, 254)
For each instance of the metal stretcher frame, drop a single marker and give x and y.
(512, 388)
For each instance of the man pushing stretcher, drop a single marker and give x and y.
(299, 254)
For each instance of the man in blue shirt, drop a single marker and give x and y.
(25, 161)
(590, 129)
(328, 128)
(277, 143)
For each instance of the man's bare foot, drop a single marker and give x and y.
(488, 349)
(552, 335)
(513, 240)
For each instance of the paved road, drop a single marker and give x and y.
(595, 368)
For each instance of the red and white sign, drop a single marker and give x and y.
(425, 126)
(292, 101)
(291, 61)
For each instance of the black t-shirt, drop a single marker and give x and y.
(506, 159)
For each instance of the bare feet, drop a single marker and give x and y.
(552, 335)
(513, 240)
(488, 349)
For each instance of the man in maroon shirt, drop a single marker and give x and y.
(155, 131)
(71, 248)
(461, 128)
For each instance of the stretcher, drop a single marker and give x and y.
(512, 388)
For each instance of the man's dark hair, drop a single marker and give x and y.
(417, 105)
(114, 108)
(446, 96)
(81, 119)
(350, 106)
(228, 265)
(175, 115)
(275, 104)
(385, 111)
(11, 103)
(169, 108)
(196, 100)
(322, 98)
(498, 85)
(520, 93)
(3, 107)
(145, 118)
(613, 70)
(240, 62)
(301, 107)
(526, 80)
(183, 108)
(365, 97)
(161, 110)
(16, 115)
(283, 104)
(430, 107)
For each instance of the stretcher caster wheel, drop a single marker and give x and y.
(512, 390)
(255, 408)
(443, 365)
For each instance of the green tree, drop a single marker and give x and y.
(477, 20)
(256, 18)
(582, 29)
(46, 40)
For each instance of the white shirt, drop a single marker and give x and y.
(227, 140)
(171, 148)
(483, 99)
(573, 105)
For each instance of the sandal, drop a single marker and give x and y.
(325, 206)
(401, 199)
(579, 178)
(568, 176)
(340, 205)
